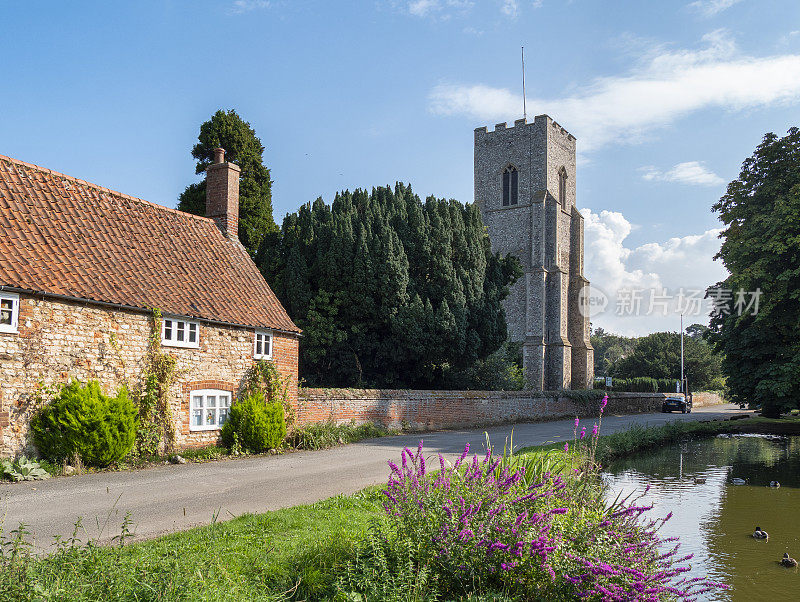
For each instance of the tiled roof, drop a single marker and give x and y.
(63, 236)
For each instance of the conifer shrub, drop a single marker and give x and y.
(259, 425)
(82, 420)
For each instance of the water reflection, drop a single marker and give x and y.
(714, 517)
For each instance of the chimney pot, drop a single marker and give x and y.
(219, 155)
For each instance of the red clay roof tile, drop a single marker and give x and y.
(64, 236)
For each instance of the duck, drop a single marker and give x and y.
(759, 534)
(788, 561)
(699, 481)
(737, 481)
(774, 484)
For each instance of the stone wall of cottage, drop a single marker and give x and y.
(59, 340)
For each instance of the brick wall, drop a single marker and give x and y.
(60, 340)
(431, 410)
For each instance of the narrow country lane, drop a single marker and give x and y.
(177, 497)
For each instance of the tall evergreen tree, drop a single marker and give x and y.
(761, 249)
(242, 146)
(390, 291)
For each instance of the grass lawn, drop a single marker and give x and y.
(295, 553)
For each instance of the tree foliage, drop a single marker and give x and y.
(658, 356)
(389, 290)
(242, 146)
(608, 349)
(761, 250)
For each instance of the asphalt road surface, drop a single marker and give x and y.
(176, 497)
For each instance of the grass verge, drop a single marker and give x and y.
(291, 554)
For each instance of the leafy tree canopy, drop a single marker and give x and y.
(761, 249)
(242, 146)
(389, 290)
(658, 355)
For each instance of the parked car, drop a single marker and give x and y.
(677, 403)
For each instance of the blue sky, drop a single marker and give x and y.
(666, 100)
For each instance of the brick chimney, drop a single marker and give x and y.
(222, 194)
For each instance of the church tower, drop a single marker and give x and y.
(525, 187)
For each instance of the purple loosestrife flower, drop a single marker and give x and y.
(566, 447)
(595, 428)
(577, 422)
(583, 432)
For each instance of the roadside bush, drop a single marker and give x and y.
(83, 421)
(258, 425)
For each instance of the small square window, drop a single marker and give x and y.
(180, 333)
(9, 312)
(262, 345)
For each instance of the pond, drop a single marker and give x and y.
(715, 518)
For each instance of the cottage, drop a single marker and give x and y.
(82, 269)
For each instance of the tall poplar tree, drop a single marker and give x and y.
(242, 146)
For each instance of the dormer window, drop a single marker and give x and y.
(562, 188)
(9, 312)
(510, 186)
(180, 333)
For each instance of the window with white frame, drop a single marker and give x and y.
(262, 345)
(9, 312)
(180, 333)
(209, 409)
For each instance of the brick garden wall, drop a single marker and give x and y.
(432, 410)
(60, 340)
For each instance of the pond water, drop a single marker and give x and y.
(715, 518)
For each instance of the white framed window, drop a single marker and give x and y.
(209, 409)
(9, 312)
(180, 333)
(262, 345)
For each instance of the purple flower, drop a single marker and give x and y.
(566, 447)
(595, 428)
(577, 422)
(583, 432)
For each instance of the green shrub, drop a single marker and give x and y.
(259, 425)
(83, 421)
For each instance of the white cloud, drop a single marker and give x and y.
(689, 172)
(509, 8)
(435, 8)
(245, 6)
(709, 8)
(612, 267)
(420, 8)
(665, 86)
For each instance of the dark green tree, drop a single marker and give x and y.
(389, 290)
(658, 355)
(609, 348)
(242, 146)
(761, 250)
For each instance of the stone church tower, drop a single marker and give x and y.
(525, 187)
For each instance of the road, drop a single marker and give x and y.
(176, 497)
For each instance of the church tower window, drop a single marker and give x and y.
(510, 186)
(562, 188)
